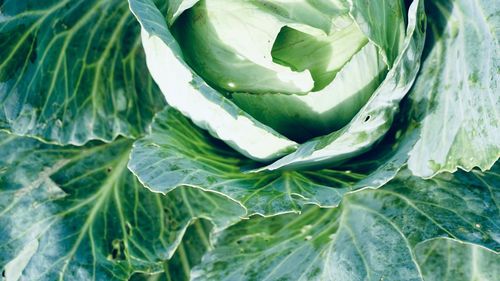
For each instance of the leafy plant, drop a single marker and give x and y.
(249, 140)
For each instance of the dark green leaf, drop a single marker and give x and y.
(72, 71)
(77, 213)
(194, 244)
(371, 236)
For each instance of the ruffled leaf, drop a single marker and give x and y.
(177, 153)
(370, 236)
(77, 213)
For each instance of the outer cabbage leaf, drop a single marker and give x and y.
(370, 236)
(194, 244)
(449, 260)
(77, 213)
(177, 153)
(456, 97)
(374, 120)
(189, 93)
(72, 71)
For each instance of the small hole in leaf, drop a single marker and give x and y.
(118, 250)
(367, 118)
(3, 273)
(109, 169)
(114, 254)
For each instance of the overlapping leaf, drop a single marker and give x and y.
(193, 246)
(374, 120)
(186, 91)
(189, 252)
(456, 97)
(177, 153)
(371, 236)
(71, 71)
(77, 213)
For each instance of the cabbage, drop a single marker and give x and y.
(249, 140)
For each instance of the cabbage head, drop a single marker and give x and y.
(301, 83)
